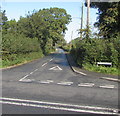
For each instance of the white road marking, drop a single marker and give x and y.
(107, 86)
(23, 78)
(86, 84)
(50, 60)
(55, 68)
(108, 78)
(35, 70)
(51, 81)
(27, 80)
(59, 106)
(79, 72)
(44, 64)
(65, 83)
(31, 73)
(46, 81)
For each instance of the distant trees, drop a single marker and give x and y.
(44, 27)
(49, 24)
(32, 36)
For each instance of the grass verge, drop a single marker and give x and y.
(15, 59)
(102, 69)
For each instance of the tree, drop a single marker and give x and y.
(53, 23)
(48, 25)
(4, 24)
(108, 18)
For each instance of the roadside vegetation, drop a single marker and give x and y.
(33, 36)
(103, 46)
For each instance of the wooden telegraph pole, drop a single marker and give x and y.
(81, 21)
(88, 17)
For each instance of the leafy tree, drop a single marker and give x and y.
(45, 24)
(4, 24)
(12, 26)
(108, 18)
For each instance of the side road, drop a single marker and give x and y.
(78, 70)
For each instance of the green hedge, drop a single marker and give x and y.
(18, 43)
(97, 50)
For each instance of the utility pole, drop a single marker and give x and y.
(88, 12)
(81, 21)
(71, 40)
(88, 17)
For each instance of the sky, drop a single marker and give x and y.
(16, 8)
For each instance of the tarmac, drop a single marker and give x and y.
(79, 70)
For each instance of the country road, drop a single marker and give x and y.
(49, 86)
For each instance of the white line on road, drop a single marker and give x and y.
(35, 70)
(51, 81)
(86, 84)
(107, 86)
(112, 79)
(50, 60)
(31, 73)
(47, 62)
(79, 71)
(23, 78)
(27, 80)
(59, 106)
(55, 68)
(65, 83)
(46, 81)
(44, 64)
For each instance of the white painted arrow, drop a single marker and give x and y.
(55, 68)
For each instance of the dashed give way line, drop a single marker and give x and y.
(65, 83)
(86, 84)
(59, 106)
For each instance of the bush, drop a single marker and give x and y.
(14, 59)
(18, 43)
(102, 69)
(97, 50)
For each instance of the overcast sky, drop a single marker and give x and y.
(16, 8)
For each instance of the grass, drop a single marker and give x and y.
(15, 59)
(102, 69)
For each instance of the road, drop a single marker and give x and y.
(49, 86)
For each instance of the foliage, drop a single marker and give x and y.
(102, 69)
(108, 18)
(38, 32)
(106, 48)
(45, 24)
(18, 43)
(14, 59)
(98, 50)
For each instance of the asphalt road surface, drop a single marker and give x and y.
(49, 86)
